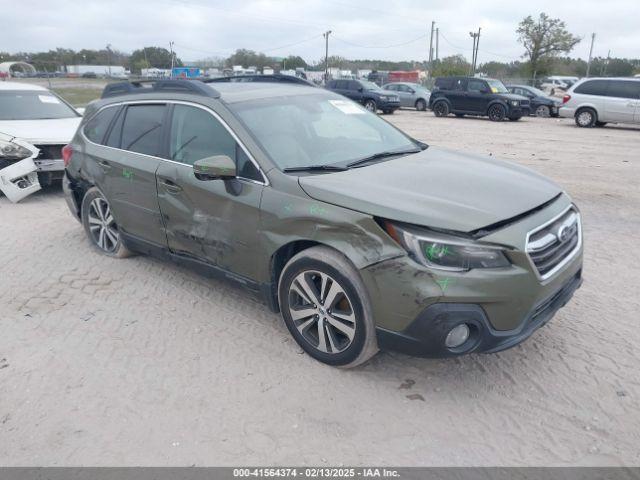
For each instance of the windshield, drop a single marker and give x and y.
(369, 85)
(318, 129)
(32, 105)
(497, 86)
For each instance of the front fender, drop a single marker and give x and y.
(287, 218)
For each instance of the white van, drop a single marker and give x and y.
(594, 102)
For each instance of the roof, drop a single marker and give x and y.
(234, 92)
(20, 86)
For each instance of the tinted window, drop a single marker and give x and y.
(33, 105)
(97, 127)
(142, 128)
(593, 87)
(197, 134)
(476, 85)
(342, 84)
(622, 89)
(393, 88)
(444, 83)
(354, 85)
(113, 138)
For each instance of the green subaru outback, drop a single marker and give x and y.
(362, 237)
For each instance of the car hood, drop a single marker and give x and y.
(54, 130)
(436, 188)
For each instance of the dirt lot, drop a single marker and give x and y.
(137, 362)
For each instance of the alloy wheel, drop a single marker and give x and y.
(370, 105)
(102, 226)
(322, 311)
(496, 113)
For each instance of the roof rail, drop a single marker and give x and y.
(195, 87)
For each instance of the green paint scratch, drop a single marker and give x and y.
(127, 173)
(444, 283)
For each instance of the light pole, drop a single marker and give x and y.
(109, 57)
(171, 50)
(326, 55)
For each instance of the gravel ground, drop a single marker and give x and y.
(139, 362)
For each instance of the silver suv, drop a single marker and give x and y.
(594, 102)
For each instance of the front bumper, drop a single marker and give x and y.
(425, 336)
(388, 104)
(500, 301)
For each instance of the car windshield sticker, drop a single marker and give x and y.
(48, 99)
(345, 106)
(494, 89)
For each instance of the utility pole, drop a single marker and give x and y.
(171, 50)
(109, 57)
(473, 35)
(593, 38)
(433, 24)
(326, 55)
(475, 61)
(437, 42)
(603, 73)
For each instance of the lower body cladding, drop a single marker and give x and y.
(429, 313)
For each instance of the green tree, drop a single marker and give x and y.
(157, 57)
(292, 62)
(452, 65)
(544, 39)
(249, 58)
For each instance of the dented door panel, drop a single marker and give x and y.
(212, 220)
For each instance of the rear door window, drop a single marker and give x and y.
(593, 87)
(97, 127)
(624, 89)
(142, 129)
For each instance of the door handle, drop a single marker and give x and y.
(171, 187)
(104, 165)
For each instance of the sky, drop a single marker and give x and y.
(372, 29)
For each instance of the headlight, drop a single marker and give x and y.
(12, 151)
(444, 252)
(514, 103)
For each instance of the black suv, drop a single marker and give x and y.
(367, 93)
(476, 96)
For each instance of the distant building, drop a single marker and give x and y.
(155, 72)
(100, 70)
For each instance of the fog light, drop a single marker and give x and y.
(457, 336)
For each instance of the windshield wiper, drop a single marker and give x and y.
(315, 168)
(381, 155)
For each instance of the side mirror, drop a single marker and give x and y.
(412, 91)
(485, 90)
(80, 110)
(214, 168)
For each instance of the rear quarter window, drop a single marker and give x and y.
(593, 87)
(624, 89)
(97, 127)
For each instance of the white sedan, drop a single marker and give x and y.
(34, 126)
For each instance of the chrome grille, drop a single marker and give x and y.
(553, 244)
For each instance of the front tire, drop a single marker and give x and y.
(371, 105)
(421, 105)
(497, 112)
(100, 225)
(586, 118)
(441, 108)
(388, 112)
(515, 118)
(326, 308)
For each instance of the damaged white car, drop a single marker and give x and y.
(35, 124)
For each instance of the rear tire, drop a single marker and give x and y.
(543, 111)
(586, 118)
(100, 225)
(497, 112)
(440, 108)
(459, 115)
(333, 318)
